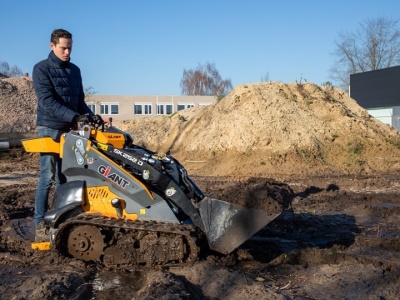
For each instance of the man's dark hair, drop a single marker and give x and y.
(59, 33)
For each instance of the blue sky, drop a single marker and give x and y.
(130, 47)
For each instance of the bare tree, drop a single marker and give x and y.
(376, 45)
(205, 81)
(13, 71)
(89, 92)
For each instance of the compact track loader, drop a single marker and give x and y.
(125, 205)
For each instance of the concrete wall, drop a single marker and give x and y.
(390, 116)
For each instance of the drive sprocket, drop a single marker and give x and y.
(86, 242)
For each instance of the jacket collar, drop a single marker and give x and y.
(58, 61)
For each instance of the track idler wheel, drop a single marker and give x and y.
(86, 242)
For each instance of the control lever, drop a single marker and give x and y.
(117, 205)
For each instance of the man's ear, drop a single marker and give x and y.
(52, 46)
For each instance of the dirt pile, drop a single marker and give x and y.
(271, 128)
(18, 102)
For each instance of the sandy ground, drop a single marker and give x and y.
(339, 241)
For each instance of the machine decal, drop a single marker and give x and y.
(103, 147)
(170, 192)
(113, 136)
(90, 160)
(146, 174)
(114, 177)
(128, 157)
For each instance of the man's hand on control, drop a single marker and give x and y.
(96, 119)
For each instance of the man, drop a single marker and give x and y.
(59, 90)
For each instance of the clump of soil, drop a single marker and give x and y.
(265, 194)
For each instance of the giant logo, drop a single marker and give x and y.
(114, 177)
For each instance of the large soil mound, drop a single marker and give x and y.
(266, 129)
(261, 129)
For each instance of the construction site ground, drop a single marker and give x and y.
(305, 144)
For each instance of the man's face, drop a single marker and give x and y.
(63, 49)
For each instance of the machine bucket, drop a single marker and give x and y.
(228, 225)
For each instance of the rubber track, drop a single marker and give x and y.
(190, 232)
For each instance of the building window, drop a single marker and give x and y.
(164, 109)
(143, 109)
(109, 109)
(184, 106)
(92, 107)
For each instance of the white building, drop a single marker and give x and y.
(133, 107)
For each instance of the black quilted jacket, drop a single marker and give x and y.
(58, 87)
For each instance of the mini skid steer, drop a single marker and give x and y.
(124, 205)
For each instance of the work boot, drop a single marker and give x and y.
(41, 233)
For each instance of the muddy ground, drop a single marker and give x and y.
(339, 240)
